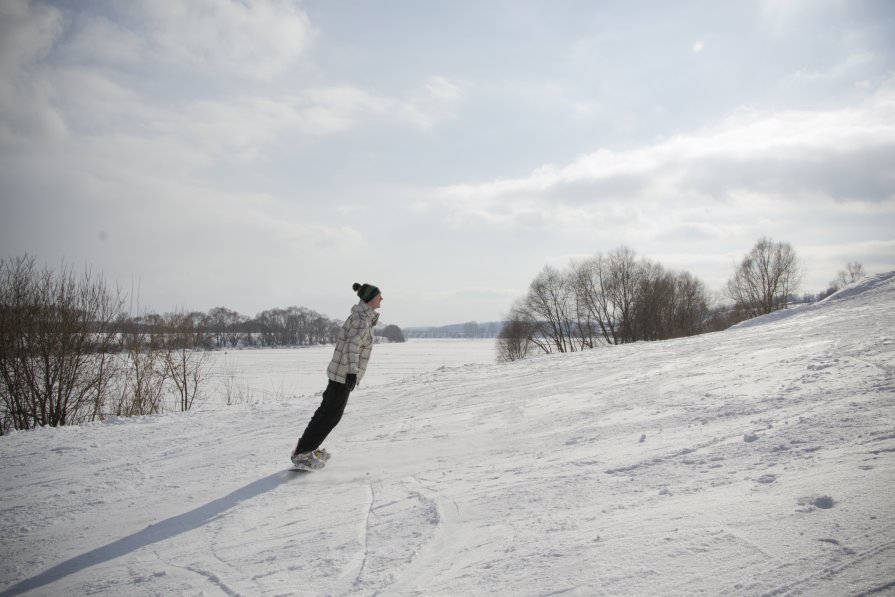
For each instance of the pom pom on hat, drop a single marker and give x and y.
(366, 292)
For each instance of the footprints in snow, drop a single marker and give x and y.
(721, 461)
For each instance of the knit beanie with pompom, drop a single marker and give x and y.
(366, 292)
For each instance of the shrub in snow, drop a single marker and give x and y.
(825, 502)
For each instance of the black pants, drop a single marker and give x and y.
(327, 416)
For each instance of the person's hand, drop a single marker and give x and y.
(351, 381)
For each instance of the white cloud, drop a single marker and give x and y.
(244, 128)
(135, 181)
(434, 103)
(102, 40)
(698, 46)
(256, 40)
(440, 88)
(27, 32)
(250, 39)
(850, 64)
(784, 158)
(334, 109)
(781, 14)
(27, 35)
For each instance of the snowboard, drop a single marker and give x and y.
(320, 457)
(305, 468)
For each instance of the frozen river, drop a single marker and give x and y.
(271, 374)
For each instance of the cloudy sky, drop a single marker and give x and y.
(258, 154)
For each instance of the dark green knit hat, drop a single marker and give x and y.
(366, 292)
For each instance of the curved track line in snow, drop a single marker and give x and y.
(364, 540)
(444, 520)
(402, 519)
(211, 577)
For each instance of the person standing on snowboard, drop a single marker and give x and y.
(345, 371)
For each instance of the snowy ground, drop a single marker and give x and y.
(701, 466)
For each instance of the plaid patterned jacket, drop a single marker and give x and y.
(354, 345)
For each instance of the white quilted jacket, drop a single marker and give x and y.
(354, 345)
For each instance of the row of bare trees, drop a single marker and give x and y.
(605, 299)
(65, 360)
(618, 298)
(55, 334)
(225, 328)
(69, 355)
(154, 376)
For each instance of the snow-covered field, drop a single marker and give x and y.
(756, 461)
(253, 375)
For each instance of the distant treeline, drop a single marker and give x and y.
(222, 328)
(225, 328)
(619, 298)
(470, 329)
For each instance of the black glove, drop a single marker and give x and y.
(351, 381)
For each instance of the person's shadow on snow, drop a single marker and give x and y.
(154, 533)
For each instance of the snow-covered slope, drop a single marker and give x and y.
(756, 461)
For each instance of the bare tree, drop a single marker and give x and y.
(853, 272)
(223, 325)
(197, 324)
(766, 277)
(141, 387)
(653, 304)
(550, 301)
(234, 389)
(609, 290)
(56, 337)
(594, 296)
(691, 314)
(624, 279)
(184, 365)
(514, 341)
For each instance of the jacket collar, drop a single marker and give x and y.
(367, 311)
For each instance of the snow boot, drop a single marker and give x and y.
(306, 461)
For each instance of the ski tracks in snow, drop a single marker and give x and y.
(837, 578)
(396, 536)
